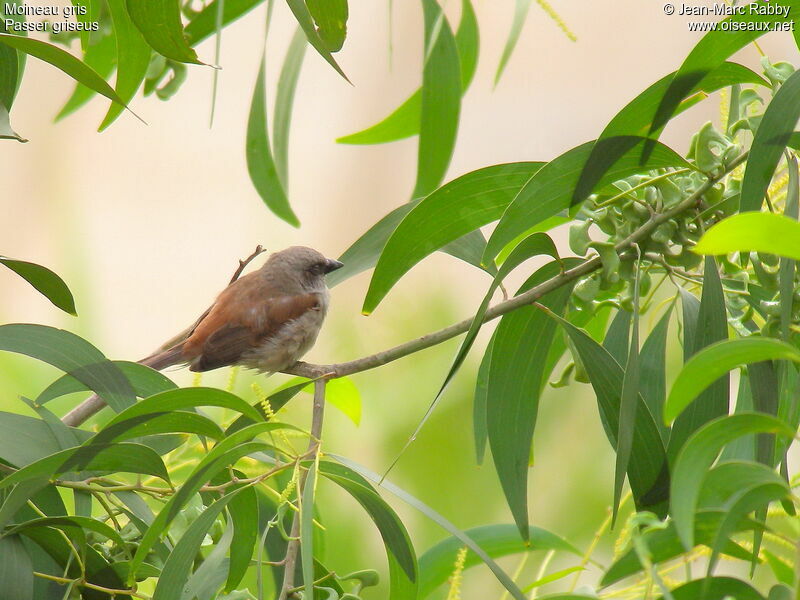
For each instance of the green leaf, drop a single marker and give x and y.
(284, 102)
(331, 19)
(306, 22)
(114, 458)
(783, 572)
(769, 142)
(521, 8)
(204, 23)
(184, 398)
(715, 588)
(647, 472)
(133, 58)
(64, 61)
(67, 523)
(550, 190)
(436, 565)
(697, 456)
(617, 338)
(462, 205)
(6, 133)
(665, 545)
(405, 120)
(50, 285)
(16, 570)
(244, 516)
(653, 386)
(159, 21)
(179, 564)
(714, 361)
(480, 403)
(712, 326)
(467, 541)
(403, 571)
(175, 421)
(24, 439)
(73, 355)
(9, 69)
(144, 380)
(754, 231)
(260, 164)
(516, 377)
(440, 102)
(100, 56)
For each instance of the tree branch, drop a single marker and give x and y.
(293, 546)
(332, 371)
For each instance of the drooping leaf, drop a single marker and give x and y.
(179, 564)
(73, 355)
(64, 61)
(9, 68)
(712, 326)
(100, 56)
(462, 205)
(550, 190)
(244, 516)
(516, 376)
(159, 21)
(204, 23)
(521, 8)
(753, 231)
(306, 22)
(16, 570)
(653, 386)
(6, 132)
(440, 102)
(330, 17)
(712, 362)
(405, 120)
(715, 588)
(260, 163)
(480, 402)
(50, 285)
(697, 455)
(403, 570)
(436, 565)
(70, 522)
(24, 439)
(133, 58)
(618, 336)
(284, 102)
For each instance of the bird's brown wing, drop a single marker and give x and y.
(240, 321)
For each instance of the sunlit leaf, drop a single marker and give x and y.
(306, 22)
(159, 21)
(330, 17)
(754, 231)
(715, 588)
(284, 102)
(521, 8)
(100, 56)
(45, 281)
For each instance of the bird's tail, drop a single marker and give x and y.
(165, 358)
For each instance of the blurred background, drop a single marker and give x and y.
(146, 224)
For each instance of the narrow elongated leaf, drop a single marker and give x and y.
(664, 544)
(73, 355)
(133, 58)
(144, 380)
(618, 336)
(176, 421)
(16, 570)
(647, 470)
(6, 132)
(521, 8)
(47, 283)
(758, 232)
(405, 120)
(260, 163)
(467, 541)
(440, 102)
(70, 522)
(24, 439)
(436, 565)
(306, 22)
(284, 102)
(9, 69)
(403, 570)
(551, 189)
(64, 61)
(697, 455)
(204, 23)
(101, 57)
(178, 566)
(159, 21)
(652, 384)
(715, 588)
(712, 326)
(712, 362)
(769, 142)
(516, 376)
(244, 516)
(331, 19)
(480, 402)
(452, 211)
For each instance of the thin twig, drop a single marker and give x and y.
(245, 262)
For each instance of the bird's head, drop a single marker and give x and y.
(302, 264)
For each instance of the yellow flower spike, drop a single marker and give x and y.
(263, 401)
(197, 380)
(778, 185)
(724, 107)
(454, 593)
(232, 375)
(545, 6)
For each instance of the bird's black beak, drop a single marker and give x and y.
(332, 265)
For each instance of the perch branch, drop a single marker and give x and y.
(332, 371)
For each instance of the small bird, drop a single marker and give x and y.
(266, 320)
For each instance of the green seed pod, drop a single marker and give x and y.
(664, 232)
(579, 239)
(771, 307)
(604, 219)
(709, 148)
(670, 192)
(564, 379)
(645, 283)
(768, 279)
(610, 259)
(585, 290)
(580, 370)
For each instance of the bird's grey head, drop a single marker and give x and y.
(305, 265)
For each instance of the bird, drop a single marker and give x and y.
(265, 320)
